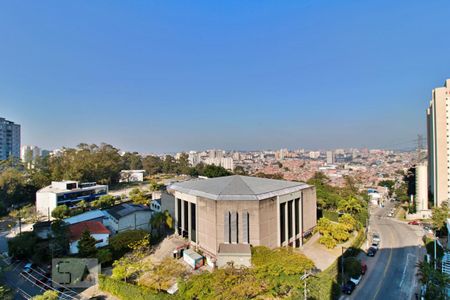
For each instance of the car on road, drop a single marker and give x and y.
(363, 268)
(371, 252)
(348, 287)
(356, 280)
(28, 268)
(415, 222)
(390, 215)
(376, 238)
(375, 245)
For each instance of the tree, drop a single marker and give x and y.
(352, 266)
(350, 205)
(239, 170)
(183, 164)
(162, 276)
(47, 295)
(211, 171)
(348, 222)
(121, 242)
(104, 256)
(137, 196)
(5, 293)
(439, 216)
(59, 244)
(161, 220)
(132, 264)
(132, 161)
(61, 212)
(22, 246)
(86, 245)
(104, 201)
(152, 164)
(435, 281)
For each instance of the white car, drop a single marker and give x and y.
(376, 238)
(375, 245)
(356, 280)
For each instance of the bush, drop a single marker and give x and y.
(127, 291)
(328, 241)
(60, 212)
(331, 215)
(119, 244)
(352, 267)
(23, 245)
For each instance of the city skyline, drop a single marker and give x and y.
(166, 78)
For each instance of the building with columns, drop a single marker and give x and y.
(243, 210)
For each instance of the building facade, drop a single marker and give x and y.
(439, 144)
(421, 199)
(68, 193)
(9, 139)
(243, 210)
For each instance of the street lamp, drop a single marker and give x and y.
(303, 277)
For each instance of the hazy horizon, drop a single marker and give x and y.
(166, 77)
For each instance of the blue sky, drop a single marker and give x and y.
(162, 76)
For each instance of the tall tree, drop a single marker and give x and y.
(86, 245)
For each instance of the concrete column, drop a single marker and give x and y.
(176, 215)
(182, 216)
(300, 219)
(286, 225)
(189, 221)
(278, 223)
(293, 222)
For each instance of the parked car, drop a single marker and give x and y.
(363, 268)
(371, 252)
(376, 238)
(356, 280)
(348, 287)
(28, 268)
(415, 222)
(375, 245)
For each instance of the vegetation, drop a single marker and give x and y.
(131, 266)
(103, 202)
(86, 245)
(334, 233)
(121, 242)
(162, 276)
(60, 212)
(435, 281)
(275, 274)
(47, 295)
(5, 293)
(439, 216)
(137, 196)
(23, 245)
(160, 221)
(127, 291)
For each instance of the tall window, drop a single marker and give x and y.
(193, 228)
(289, 220)
(226, 227)
(179, 217)
(246, 227)
(282, 222)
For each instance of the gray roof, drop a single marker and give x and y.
(237, 187)
(124, 209)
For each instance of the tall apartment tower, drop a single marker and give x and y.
(330, 158)
(439, 144)
(9, 139)
(421, 187)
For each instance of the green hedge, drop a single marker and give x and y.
(127, 291)
(331, 215)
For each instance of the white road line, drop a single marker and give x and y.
(406, 266)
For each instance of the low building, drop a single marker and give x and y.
(96, 229)
(68, 193)
(128, 216)
(243, 210)
(239, 255)
(132, 175)
(92, 215)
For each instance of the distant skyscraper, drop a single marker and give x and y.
(438, 144)
(9, 139)
(29, 153)
(330, 157)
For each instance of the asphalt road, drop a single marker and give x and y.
(392, 272)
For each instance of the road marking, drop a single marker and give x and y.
(385, 271)
(404, 269)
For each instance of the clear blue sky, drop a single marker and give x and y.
(160, 76)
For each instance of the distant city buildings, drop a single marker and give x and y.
(9, 139)
(438, 144)
(330, 158)
(29, 153)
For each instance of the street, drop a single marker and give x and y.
(392, 272)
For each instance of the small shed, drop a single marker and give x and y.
(192, 258)
(238, 254)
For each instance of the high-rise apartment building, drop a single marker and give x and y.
(421, 198)
(330, 158)
(9, 139)
(439, 144)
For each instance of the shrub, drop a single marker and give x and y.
(127, 291)
(328, 241)
(120, 243)
(331, 215)
(23, 245)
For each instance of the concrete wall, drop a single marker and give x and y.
(238, 260)
(309, 209)
(45, 203)
(268, 223)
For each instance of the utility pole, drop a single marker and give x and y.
(342, 266)
(20, 223)
(305, 292)
(435, 267)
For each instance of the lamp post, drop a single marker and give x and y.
(306, 275)
(342, 266)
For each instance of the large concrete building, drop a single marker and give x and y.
(421, 198)
(9, 139)
(439, 144)
(68, 193)
(243, 210)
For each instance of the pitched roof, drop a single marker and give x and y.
(94, 227)
(237, 187)
(86, 216)
(124, 209)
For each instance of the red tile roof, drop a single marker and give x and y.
(94, 227)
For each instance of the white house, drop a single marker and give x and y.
(132, 175)
(97, 230)
(128, 216)
(68, 193)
